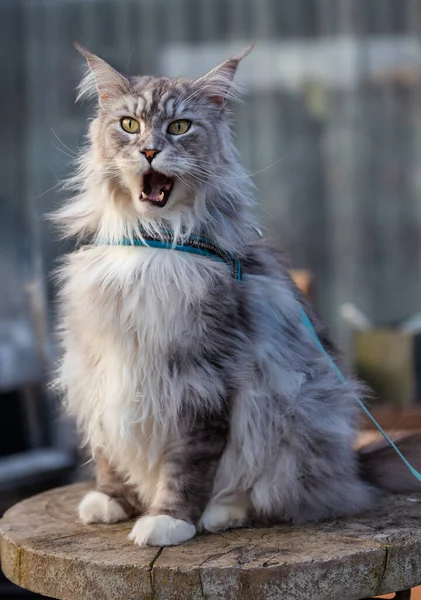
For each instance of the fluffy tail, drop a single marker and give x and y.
(382, 467)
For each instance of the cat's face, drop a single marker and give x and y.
(157, 141)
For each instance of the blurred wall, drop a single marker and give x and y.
(331, 126)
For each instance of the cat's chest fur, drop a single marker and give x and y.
(127, 311)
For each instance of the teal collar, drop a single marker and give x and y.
(194, 244)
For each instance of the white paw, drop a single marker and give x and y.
(218, 517)
(161, 530)
(97, 507)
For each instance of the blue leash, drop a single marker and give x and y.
(310, 327)
(204, 247)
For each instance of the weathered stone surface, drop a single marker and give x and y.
(45, 549)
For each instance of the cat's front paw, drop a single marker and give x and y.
(97, 507)
(161, 530)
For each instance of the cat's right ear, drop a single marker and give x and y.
(100, 80)
(218, 83)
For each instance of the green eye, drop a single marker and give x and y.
(130, 125)
(179, 127)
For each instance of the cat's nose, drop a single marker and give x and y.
(150, 154)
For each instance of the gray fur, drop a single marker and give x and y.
(206, 395)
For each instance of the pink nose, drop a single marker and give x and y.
(150, 154)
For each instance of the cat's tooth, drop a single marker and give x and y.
(161, 196)
(144, 196)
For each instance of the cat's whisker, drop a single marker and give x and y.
(226, 197)
(210, 154)
(244, 176)
(72, 156)
(218, 178)
(268, 167)
(56, 186)
(184, 182)
(72, 152)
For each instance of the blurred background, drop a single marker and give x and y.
(330, 128)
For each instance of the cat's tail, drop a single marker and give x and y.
(381, 466)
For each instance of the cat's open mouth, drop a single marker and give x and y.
(156, 188)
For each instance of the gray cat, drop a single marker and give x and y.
(201, 393)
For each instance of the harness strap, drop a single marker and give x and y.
(193, 245)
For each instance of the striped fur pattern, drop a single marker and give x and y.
(205, 398)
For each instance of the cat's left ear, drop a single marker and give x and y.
(218, 83)
(101, 79)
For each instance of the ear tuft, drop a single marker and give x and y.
(100, 80)
(218, 83)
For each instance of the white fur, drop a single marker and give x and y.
(113, 367)
(97, 507)
(220, 515)
(161, 530)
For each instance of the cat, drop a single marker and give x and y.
(202, 395)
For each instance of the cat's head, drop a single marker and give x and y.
(158, 142)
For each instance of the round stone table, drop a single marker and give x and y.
(45, 549)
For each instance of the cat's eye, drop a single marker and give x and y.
(130, 125)
(179, 127)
